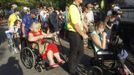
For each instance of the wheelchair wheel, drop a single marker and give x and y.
(27, 57)
(95, 70)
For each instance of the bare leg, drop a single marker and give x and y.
(57, 56)
(19, 46)
(50, 59)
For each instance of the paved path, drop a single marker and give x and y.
(11, 64)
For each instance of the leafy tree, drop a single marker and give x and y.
(36, 3)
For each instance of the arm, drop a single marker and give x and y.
(75, 21)
(85, 25)
(50, 35)
(78, 29)
(97, 41)
(23, 29)
(106, 20)
(24, 20)
(33, 38)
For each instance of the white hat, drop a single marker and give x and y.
(24, 8)
(14, 5)
(116, 8)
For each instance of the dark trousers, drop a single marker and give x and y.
(76, 50)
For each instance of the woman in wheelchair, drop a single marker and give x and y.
(99, 41)
(47, 50)
(98, 37)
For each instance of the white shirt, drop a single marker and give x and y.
(13, 29)
(109, 13)
(90, 16)
(43, 15)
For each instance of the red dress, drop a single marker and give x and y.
(51, 46)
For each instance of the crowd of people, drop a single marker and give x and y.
(76, 24)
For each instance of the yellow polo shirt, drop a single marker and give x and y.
(74, 16)
(12, 18)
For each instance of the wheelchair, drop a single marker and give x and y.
(31, 58)
(108, 60)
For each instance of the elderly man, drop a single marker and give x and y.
(75, 36)
(27, 20)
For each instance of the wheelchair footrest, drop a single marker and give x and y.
(104, 53)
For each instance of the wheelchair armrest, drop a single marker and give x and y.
(49, 40)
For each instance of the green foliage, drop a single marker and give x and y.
(34, 3)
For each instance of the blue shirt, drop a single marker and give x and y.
(28, 20)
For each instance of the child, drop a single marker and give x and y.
(50, 50)
(17, 32)
(13, 34)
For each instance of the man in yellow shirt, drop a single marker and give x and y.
(75, 35)
(13, 17)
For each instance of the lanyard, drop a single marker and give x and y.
(79, 11)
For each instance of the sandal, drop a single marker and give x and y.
(54, 66)
(61, 62)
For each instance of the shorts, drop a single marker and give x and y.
(51, 46)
